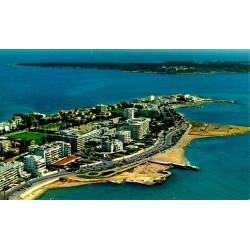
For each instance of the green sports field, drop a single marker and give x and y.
(36, 136)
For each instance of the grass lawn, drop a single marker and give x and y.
(36, 136)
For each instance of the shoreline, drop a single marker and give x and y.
(148, 173)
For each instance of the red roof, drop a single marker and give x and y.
(65, 161)
(8, 160)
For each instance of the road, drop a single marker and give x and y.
(16, 190)
(161, 145)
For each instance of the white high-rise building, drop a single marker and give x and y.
(112, 146)
(129, 113)
(53, 151)
(124, 136)
(5, 145)
(9, 173)
(139, 127)
(65, 148)
(35, 164)
(151, 98)
(73, 136)
(49, 152)
(102, 108)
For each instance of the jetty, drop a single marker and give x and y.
(176, 165)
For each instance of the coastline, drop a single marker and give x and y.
(148, 173)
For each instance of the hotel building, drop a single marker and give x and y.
(112, 146)
(35, 165)
(10, 172)
(52, 152)
(72, 136)
(5, 146)
(129, 113)
(124, 136)
(138, 127)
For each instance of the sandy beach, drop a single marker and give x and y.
(148, 173)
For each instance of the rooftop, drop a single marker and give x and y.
(5, 166)
(66, 161)
(69, 132)
(136, 121)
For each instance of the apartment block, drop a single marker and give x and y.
(138, 127)
(5, 146)
(35, 165)
(9, 173)
(124, 136)
(65, 148)
(52, 152)
(112, 146)
(129, 113)
(101, 108)
(72, 136)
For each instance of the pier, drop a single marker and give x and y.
(180, 166)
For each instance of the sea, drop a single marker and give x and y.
(223, 161)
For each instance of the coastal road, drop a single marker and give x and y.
(171, 134)
(16, 191)
(141, 157)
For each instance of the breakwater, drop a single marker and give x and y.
(176, 165)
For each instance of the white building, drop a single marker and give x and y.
(35, 164)
(101, 108)
(52, 152)
(65, 148)
(124, 136)
(129, 113)
(7, 126)
(112, 146)
(138, 127)
(110, 133)
(151, 98)
(90, 135)
(72, 136)
(5, 146)
(9, 173)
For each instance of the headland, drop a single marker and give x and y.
(137, 141)
(174, 67)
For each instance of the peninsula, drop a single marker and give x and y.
(171, 67)
(136, 141)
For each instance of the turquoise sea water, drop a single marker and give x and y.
(224, 162)
(224, 175)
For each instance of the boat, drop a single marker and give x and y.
(51, 198)
(60, 195)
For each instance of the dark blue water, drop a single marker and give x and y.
(28, 89)
(224, 162)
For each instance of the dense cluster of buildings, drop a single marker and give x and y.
(8, 126)
(113, 133)
(52, 152)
